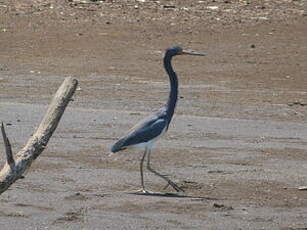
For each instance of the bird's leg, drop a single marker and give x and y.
(141, 170)
(164, 177)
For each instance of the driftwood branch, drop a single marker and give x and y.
(8, 148)
(14, 169)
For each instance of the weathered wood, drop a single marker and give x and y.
(38, 142)
(8, 148)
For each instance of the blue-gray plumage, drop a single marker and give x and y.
(150, 129)
(145, 131)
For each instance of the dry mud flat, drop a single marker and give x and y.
(237, 173)
(238, 142)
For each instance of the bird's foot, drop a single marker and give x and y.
(174, 185)
(142, 190)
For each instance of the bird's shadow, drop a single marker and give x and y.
(171, 195)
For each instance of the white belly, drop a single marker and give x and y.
(149, 144)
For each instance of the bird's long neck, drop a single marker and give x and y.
(172, 99)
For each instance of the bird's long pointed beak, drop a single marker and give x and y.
(192, 52)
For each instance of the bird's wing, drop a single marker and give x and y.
(146, 130)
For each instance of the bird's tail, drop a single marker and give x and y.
(118, 146)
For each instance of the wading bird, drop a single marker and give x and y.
(149, 130)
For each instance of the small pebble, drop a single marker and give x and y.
(212, 7)
(168, 6)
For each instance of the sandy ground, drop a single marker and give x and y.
(238, 141)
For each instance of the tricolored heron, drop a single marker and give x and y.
(149, 130)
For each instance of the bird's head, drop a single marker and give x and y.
(177, 50)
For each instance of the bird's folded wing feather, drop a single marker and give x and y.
(146, 130)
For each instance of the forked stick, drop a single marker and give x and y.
(14, 169)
